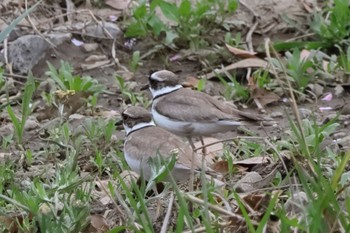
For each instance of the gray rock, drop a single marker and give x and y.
(99, 30)
(276, 114)
(305, 113)
(26, 51)
(296, 203)
(58, 38)
(248, 182)
(339, 90)
(90, 47)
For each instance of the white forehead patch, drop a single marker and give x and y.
(155, 76)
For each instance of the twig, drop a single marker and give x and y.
(216, 208)
(114, 202)
(167, 215)
(34, 27)
(227, 140)
(21, 76)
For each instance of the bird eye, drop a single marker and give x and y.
(152, 81)
(125, 116)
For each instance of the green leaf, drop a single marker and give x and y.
(55, 76)
(140, 12)
(156, 24)
(185, 8)
(170, 11)
(232, 5)
(136, 29)
(27, 97)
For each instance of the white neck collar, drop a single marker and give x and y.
(129, 130)
(164, 90)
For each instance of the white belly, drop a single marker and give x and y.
(193, 128)
(142, 167)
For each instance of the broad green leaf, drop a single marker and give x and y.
(185, 8)
(140, 12)
(170, 11)
(136, 29)
(156, 24)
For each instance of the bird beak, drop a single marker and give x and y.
(146, 86)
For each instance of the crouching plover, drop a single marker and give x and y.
(144, 140)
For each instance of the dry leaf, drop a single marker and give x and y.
(97, 224)
(246, 63)
(264, 97)
(240, 52)
(220, 166)
(252, 161)
(118, 4)
(191, 82)
(257, 201)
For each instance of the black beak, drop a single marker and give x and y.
(145, 87)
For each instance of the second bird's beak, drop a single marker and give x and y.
(146, 86)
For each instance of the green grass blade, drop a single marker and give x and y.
(14, 23)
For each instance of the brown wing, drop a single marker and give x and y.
(155, 139)
(192, 106)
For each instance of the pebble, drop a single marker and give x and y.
(276, 114)
(89, 47)
(305, 113)
(339, 90)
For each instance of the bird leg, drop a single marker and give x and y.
(192, 165)
(204, 150)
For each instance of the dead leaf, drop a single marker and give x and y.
(94, 65)
(118, 4)
(191, 82)
(72, 103)
(220, 166)
(257, 201)
(252, 161)
(246, 63)
(108, 114)
(248, 183)
(97, 224)
(264, 97)
(240, 52)
(11, 222)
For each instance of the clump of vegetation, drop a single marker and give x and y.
(190, 22)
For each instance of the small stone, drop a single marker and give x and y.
(95, 58)
(59, 38)
(316, 88)
(99, 30)
(339, 90)
(296, 203)
(339, 135)
(90, 47)
(247, 183)
(276, 114)
(305, 113)
(31, 124)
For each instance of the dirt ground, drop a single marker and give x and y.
(191, 67)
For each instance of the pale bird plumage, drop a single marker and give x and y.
(145, 140)
(189, 113)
